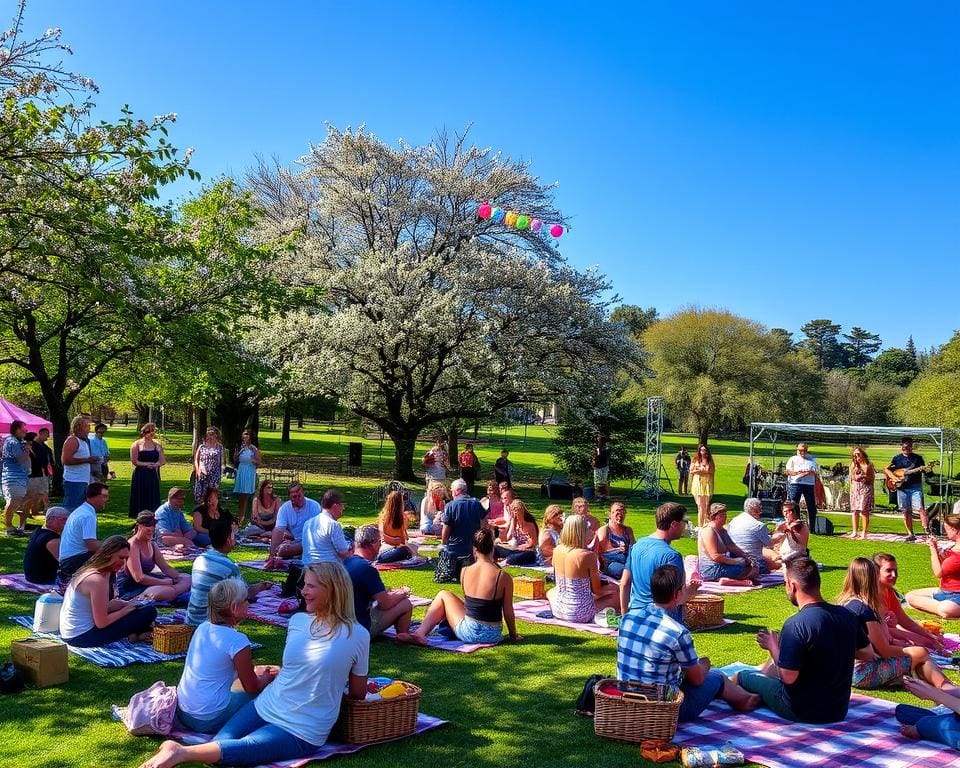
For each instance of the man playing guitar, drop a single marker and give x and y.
(909, 485)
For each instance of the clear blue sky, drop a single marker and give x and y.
(786, 161)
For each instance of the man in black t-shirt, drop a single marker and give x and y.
(809, 674)
(38, 480)
(601, 467)
(682, 462)
(41, 557)
(910, 492)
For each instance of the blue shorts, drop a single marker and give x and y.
(473, 631)
(711, 571)
(912, 500)
(953, 597)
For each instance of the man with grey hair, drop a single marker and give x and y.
(377, 607)
(462, 518)
(753, 537)
(42, 556)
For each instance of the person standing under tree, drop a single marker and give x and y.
(801, 474)
(503, 469)
(469, 466)
(601, 467)
(910, 486)
(436, 462)
(682, 462)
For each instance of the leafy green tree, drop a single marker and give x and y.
(822, 340)
(860, 347)
(933, 397)
(635, 318)
(892, 366)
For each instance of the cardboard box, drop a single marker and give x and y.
(43, 662)
(524, 586)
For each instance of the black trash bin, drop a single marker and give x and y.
(355, 455)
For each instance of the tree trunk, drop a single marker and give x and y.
(232, 413)
(405, 444)
(188, 418)
(285, 432)
(453, 447)
(703, 436)
(299, 421)
(253, 423)
(143, 413)
(60, 418)
(199, 428)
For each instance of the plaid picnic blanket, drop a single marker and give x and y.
(172, 555)
(257, 565)
(442, 642)
(412, 562)
(527, 610)
(119, 654)
(869, 737)
(714, 588)
(267, 606)
(18, 582)
(894, 538)
(424, 723)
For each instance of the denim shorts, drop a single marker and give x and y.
(912, 500)
(473, 631)
(711, 571)
(953, 597)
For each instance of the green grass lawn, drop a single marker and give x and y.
(506, 706)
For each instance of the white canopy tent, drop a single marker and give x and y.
(942, 438)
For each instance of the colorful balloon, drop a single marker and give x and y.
(511, 219)
(535, 225)
(523, 222)
(556, 230)
(485, 211)
(497, 214)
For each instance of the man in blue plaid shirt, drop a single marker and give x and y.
(655, 648)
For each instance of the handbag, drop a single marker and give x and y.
(151, 712)
(586, 700)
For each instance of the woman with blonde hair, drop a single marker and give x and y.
(862, 476)
(431, 508)
(326, 652)
(945, 601)
(550, 532)
(861, 596)
(146, 455)
(208, 463)
(579, 593)
(77, 460)
(392, 523)
(89, 617)
(703, 470)
(218, 655)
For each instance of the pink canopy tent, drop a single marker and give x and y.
(10, 413)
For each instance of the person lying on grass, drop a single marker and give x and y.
(807, 678)
(326, 651)
(945, 601)
(89, 618)
(902, 628)
(579, 593)
(218, 655)
(892, 660)
(654, 648)
(487, 603)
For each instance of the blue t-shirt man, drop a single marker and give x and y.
(16, 464)
(463, 515)
(366, 584)
(648, 554)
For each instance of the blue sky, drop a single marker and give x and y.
(788, 162)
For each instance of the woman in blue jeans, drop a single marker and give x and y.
(922, 723)
(326, 651)
(89, 617)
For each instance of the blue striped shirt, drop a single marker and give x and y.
(208, 569)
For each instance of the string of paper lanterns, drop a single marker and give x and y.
(519, 221)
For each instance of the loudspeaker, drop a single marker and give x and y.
(823, 526)
(355, 454)
(771, 508)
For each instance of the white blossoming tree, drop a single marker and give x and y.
(426, 313)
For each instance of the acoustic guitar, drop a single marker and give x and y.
(895, 478)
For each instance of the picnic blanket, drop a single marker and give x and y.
(172, 555)
(869, 737)
(715, 588)
(121, 653)
(442, 642)
(411, 562)
(18, 582)
(331, 748)
(527, 610)
(892, 538)
(267, 606)
(257, 565)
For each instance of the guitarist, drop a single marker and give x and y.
(910, 488)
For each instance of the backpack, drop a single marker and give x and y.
(151, 712)
(586, 700)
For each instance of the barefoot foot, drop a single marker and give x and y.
(166, 757)
(411, 637)
(910, 731)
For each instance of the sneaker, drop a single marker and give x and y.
(607, 618)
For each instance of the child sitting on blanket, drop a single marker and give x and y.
(218, 655)
(901, 627)
(326, 651)
(892, 660)
(656, 649)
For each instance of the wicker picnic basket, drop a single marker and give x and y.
(172, 638)
(642, 712)
(525, 586)
(703, 611)
(367, 722)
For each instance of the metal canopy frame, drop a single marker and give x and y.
(943, 439)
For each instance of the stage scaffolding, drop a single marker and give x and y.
(648, 484)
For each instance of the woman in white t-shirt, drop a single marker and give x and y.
(326, 651)
(218, 655)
